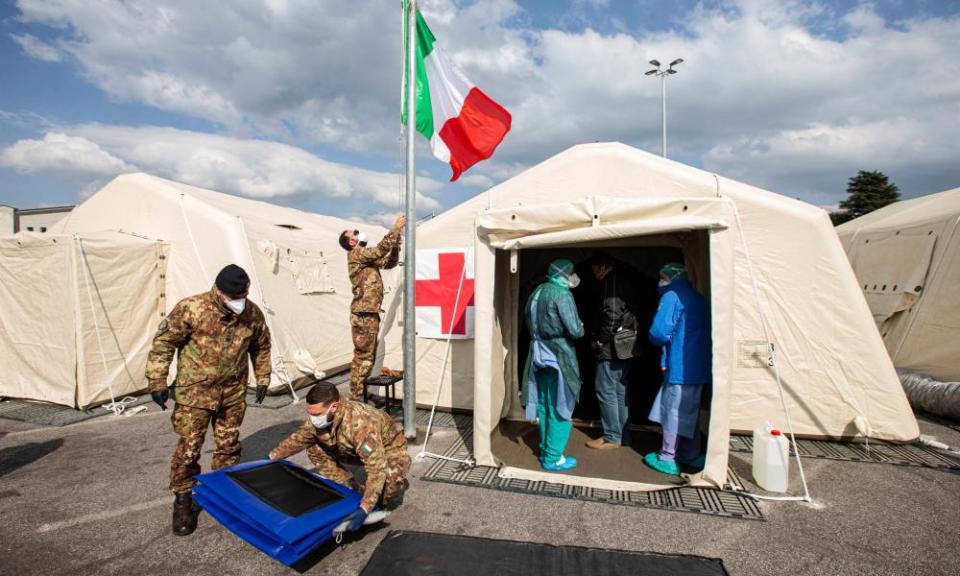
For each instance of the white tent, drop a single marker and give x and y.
(772, 267)
(298, 270)
(907, 257)
(78, 314)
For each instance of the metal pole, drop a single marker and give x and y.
(410, 250)
(663, 111)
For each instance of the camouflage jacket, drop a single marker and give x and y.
(364, 266)
(359, 434)
(213, 344)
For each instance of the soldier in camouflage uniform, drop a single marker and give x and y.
(342, 431)
(364, 265)
(213, 334)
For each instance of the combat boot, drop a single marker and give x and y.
(184, 516)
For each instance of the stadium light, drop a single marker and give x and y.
(663, 95)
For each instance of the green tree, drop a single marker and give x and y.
(866, 192)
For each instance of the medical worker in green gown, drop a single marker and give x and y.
(551, 378)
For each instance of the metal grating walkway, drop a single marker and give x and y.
(45, 414)
(685, 499)
(878, 453)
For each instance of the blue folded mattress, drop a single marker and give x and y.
(275, 505)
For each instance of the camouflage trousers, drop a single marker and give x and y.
(191, 424)
(364, 328)
(393, 487)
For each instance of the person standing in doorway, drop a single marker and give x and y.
(551, 377)
(215, 335)
(616, 319)
(364, 265)
(682, 328)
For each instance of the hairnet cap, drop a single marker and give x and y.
(232, 280)
(560, 267)
(673, 271)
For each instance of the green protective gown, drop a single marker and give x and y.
(550, 390)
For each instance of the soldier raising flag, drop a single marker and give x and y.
(364, 265)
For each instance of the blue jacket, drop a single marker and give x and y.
(682, 328)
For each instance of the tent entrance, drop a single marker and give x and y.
(514, 442)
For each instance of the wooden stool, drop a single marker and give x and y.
(388, 383)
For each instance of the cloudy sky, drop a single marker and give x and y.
(297, 101)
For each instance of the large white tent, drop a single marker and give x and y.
(78, 314)
(772, 267)
(298, 270)
(907, 257)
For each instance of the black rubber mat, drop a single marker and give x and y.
(683, 499)
(877, 452)
(293, 491)
(404, 553)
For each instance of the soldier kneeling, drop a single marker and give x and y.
(344, 431)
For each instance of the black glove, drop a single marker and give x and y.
(356, 519)
(160, 397)
(261, 394)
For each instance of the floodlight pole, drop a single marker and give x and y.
(663, 114)
(656, 71)
(410, 235)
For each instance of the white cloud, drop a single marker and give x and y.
(61, 153)
(794, 96)
(822, 153)
(253, 168)
(36, 48)
(170, 93)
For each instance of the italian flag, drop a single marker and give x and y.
(463, 124)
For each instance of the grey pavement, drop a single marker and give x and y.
(91, 498)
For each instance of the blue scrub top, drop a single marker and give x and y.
(682, 327)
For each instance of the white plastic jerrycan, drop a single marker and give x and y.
(771, 458)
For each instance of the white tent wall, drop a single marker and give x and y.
(38, 343)
(452, 229)
(207, 230)
(837, 378)
(124, 284)
(66, 299)
(907, 258)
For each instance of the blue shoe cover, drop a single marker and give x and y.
(667, 467)
(564, 463)
(695, 464)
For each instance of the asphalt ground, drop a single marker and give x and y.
(92, 498)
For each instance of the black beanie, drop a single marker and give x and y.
(232, 280)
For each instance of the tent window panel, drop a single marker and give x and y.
(309, 269)
(897, 259)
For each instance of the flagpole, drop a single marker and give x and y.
(409, 252)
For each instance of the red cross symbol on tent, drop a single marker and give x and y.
(442, 292)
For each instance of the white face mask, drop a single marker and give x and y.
(573, 280)
(663, 283)
(322, 421)
(236, 306)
